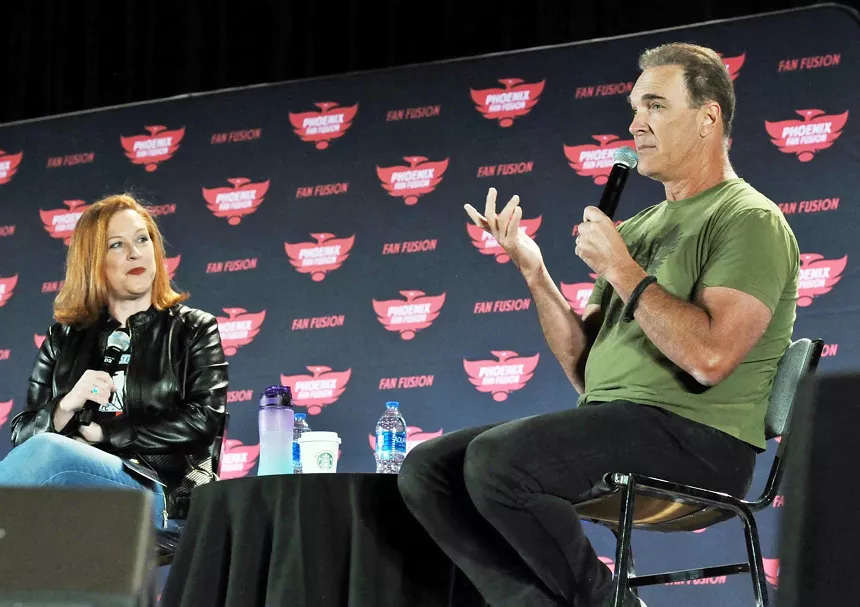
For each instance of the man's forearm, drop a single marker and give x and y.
(679, 329)
(562, 328)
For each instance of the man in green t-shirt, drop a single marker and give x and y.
(674, 355)
(708, 333)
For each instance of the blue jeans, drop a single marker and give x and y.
(53, 460)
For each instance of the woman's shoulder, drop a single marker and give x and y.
(55, 337)
(59, 331)
(193, 318)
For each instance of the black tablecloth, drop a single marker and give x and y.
(314, 540)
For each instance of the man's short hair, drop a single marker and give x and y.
(705, 75)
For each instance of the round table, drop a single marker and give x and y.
(310, 540)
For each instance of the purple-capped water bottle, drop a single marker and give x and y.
(276, 419)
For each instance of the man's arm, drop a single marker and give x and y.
(568, 336)
(708, 337)
(750, 261)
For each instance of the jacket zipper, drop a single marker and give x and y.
(129, 400)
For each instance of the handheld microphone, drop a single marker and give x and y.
(625, 160)
(118, 344)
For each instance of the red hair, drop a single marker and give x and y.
(85, 292)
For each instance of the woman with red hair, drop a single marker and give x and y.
(152, 424)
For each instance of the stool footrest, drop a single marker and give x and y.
(688, 574)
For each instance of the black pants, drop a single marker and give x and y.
(497, 499)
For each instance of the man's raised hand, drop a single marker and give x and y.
(505, 228)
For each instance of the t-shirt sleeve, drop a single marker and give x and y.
(597, 294)
(755, 252)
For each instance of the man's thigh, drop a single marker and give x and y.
(439, 459)
(567, 452)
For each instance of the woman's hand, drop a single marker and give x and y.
(96, 386)
(92, 433)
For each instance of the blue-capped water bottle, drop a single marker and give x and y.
(390, 440)
(300, 427)
(276, 431)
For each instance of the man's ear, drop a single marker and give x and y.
(710, 116)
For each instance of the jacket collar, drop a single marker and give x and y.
(136, 320)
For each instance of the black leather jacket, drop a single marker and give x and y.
(175, 393)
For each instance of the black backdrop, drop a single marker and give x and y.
(245, 193)
(60, 57)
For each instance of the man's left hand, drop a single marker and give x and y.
(92, 433)
(600, 245)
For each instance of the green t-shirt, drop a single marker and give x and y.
(727, 236)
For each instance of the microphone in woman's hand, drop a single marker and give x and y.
(118, 344)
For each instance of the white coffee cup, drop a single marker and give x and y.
(319, 452)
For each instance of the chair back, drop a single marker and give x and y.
(800, 358)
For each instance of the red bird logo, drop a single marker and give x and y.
(488, 245)
(9, 166)
(410, 182)
(408, 317)
(236, 202)
(577, 295)
(323, 387)
(771, 571)
(153, 149)
(5, 410)
(320, 257)
(325, 125)
(817, 131)
(171, 264)
(817, 276)
(7, 288)
(239, 328)
(516, 99)
(60, 223)
(595, 161)
(237, 460)
(734, 64)
(414, 436)
(501, 377)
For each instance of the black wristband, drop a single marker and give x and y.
(630, 308)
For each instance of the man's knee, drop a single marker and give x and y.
(490, 467)
(416, 472)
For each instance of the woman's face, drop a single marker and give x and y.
(130, 258)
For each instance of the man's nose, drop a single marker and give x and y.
(638, 125)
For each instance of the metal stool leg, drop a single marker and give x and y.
(623, 565)
(631, 568)
(756, 566)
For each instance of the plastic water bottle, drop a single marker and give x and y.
(276, 431)
(390, 440)
(301, 426)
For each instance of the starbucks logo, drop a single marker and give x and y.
(325, 461)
